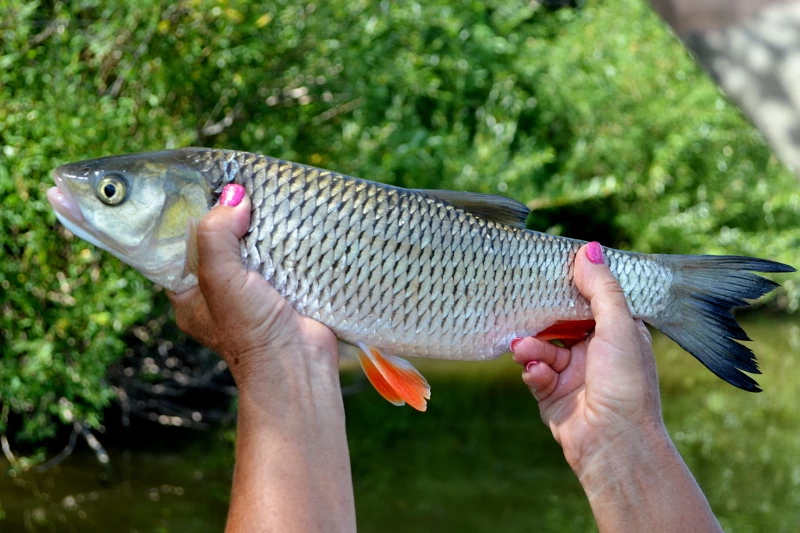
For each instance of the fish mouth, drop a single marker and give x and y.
(63, 202)
(69, 213)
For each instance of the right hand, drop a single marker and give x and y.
(602, 394)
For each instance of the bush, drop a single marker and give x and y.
(597, 117)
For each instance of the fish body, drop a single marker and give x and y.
(401, 272)
(410, 273)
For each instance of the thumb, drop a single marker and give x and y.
(221, 270)
(599, 286)
(620, 364)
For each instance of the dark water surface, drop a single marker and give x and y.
(478, 460)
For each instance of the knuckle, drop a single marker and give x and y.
(546, 388)
(210, 224)
(206, 279)
(611, 286)
(214, 282)
(611, 294)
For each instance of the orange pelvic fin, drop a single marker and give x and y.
(568, 332)
(376, 378)
(394, 378)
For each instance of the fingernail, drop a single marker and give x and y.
(594, 252)
(232, 195)
(514, 343)
(530, 365)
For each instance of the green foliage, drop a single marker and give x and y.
(481, 460)
(597, 117)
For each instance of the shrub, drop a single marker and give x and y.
(597, 117)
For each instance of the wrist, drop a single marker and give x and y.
(292, 468)
(623, 455)
(637, 482)
(287, 378)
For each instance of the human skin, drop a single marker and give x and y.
(292, 473)
(601, 401)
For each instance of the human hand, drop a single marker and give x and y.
(292, 465)
(601, 394)
(237, 313)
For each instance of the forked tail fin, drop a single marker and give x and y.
(705, 290)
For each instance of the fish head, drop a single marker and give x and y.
(138, 207)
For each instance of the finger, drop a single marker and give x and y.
(541, 379)
(191, 313)
(530, 349)
(598, 285)
(574, 375)
(221, 270)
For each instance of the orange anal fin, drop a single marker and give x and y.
(569, 343)
(406, 382)
(568, 332)
(376, 378)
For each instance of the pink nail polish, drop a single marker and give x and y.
(232, 195)
(514, 343)
(530, 365)
(594, 252)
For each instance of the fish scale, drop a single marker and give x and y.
(296, 207)
(400, 272)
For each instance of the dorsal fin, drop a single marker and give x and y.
(488, 206)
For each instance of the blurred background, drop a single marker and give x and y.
(595, 116)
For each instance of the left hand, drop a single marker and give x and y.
(292, 468)
(238, 314)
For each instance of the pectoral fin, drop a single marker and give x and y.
(394, 378)
(192, 254)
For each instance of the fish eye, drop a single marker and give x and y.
(111, 190)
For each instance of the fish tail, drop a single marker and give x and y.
(704, 292)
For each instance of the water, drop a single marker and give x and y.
(478, 460)
(169, 485)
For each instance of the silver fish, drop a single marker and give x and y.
(400, 272)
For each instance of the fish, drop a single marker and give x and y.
(400, 272)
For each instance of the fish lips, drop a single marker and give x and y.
(63, 202)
